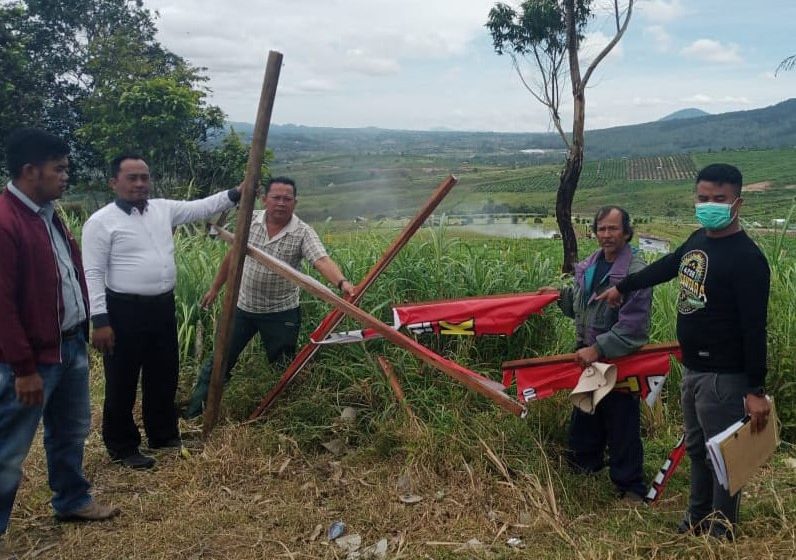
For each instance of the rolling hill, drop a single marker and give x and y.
(769, 127)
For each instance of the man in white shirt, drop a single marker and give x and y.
(267, 303)
(129, 263)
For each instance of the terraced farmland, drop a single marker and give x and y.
(661, 168)
(599, 173)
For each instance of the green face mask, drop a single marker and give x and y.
(714, 215)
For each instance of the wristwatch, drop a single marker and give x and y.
(757, 391)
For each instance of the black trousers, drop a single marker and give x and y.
(145, 329)
(615, 424)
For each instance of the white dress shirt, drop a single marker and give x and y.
(132, 252)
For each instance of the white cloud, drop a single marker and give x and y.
(713, 51)
(705, 99)
(312, 85)
(359, 61)
(419, 64)
(595, 42)
(649, 101)
(659, 37)
(662, 11)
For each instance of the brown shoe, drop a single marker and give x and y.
(94, 511)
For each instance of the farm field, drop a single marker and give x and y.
(377, 186)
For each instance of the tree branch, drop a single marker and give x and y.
(620, 31)
(528, 86)
(787, 64)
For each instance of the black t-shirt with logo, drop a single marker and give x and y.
(722, 303)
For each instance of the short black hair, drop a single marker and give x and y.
(116, 163)
(627, 227)
(34, 146)
(722, 174)
(284, 181)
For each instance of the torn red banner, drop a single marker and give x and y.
(475, 316)
(642, 373)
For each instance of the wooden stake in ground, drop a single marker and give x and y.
(334, 317)
(389, 373)
(486, 387)
(250, 184)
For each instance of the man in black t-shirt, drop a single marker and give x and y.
(721, 327)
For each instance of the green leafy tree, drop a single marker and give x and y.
(93, 72)
(159, 118)
(543, 39)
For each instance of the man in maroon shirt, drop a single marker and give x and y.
(43, 305)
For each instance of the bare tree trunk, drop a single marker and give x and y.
(568, 182)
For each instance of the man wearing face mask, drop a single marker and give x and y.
(721, 327)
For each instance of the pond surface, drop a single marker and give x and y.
(512, 231)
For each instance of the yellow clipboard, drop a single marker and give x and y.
(744, 452)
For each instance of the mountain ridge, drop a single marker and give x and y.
(767, 127)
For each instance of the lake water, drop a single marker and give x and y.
(512, 231)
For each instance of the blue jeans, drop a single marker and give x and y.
(67, 419)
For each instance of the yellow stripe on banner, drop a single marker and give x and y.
(467, 328)
(629, 383)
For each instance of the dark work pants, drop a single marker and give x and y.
(711, 403)
(617, 424)
(278, 335)
(145, 329)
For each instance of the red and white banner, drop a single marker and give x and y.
(642, 373)
(475, 316)
(667, 470)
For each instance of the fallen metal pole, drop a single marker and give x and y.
(334, 317)
(486, 387)
(561, 358)
(238, 251)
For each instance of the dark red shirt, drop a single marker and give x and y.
(31, 302)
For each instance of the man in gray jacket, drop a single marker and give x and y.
(605, 332)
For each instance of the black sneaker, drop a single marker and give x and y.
(686, 527)
(720, 530)
(136, 460)
(173, 443)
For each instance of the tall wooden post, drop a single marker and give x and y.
(250, 183)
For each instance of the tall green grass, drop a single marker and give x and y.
(439, 265)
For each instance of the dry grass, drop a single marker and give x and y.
(252, 492)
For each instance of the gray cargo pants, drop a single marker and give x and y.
(711, 402)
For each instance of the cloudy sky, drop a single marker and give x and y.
(424, 64)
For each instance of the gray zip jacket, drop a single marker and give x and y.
(616, 331)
